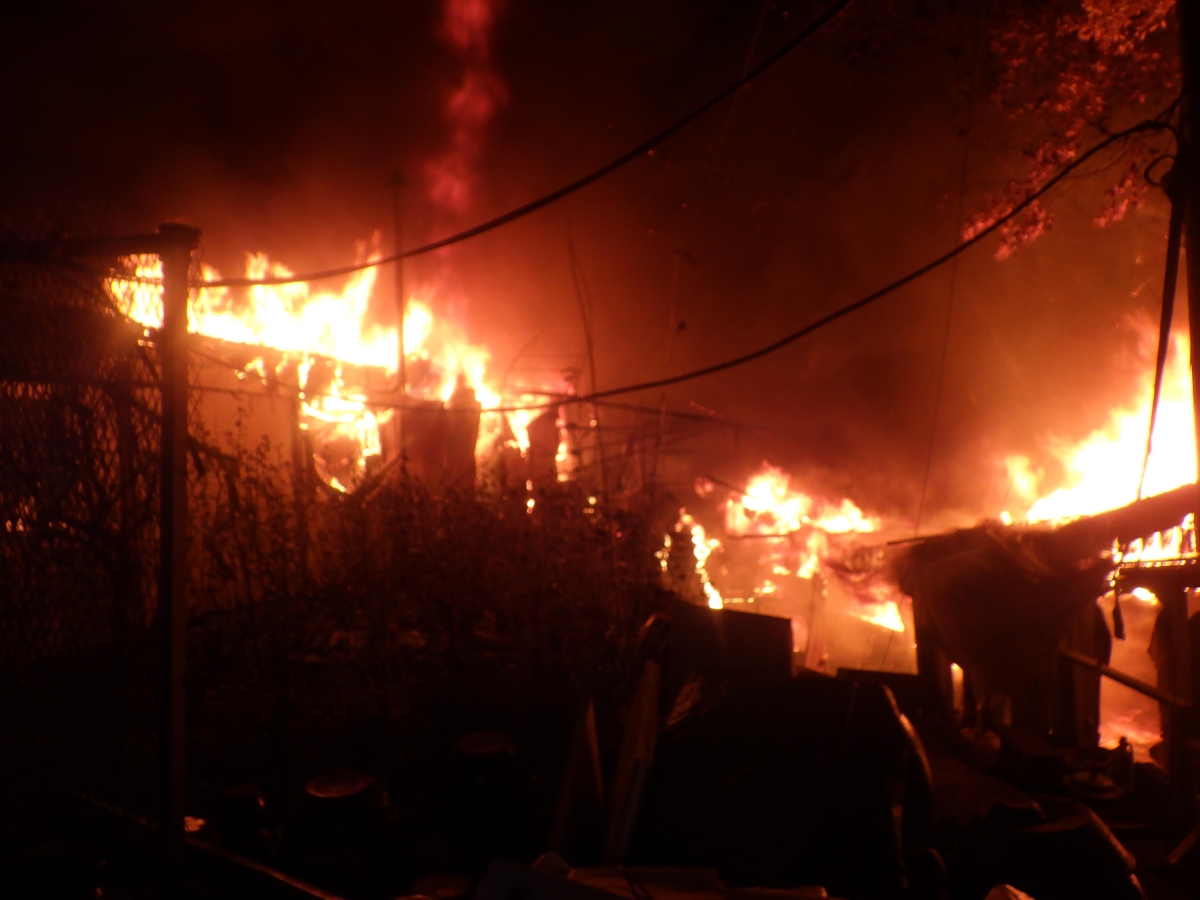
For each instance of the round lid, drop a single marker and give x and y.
(336, 785)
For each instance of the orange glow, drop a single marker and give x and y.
(466, 27)
(796, 529)
(885, 615)
(769, 506)
(1102, 470)
(702, 548)
(322, 337)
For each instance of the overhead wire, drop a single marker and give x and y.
(563, 400)
(1174, 189)
(566, 190)
(958, 220)
(269, 389)
(841, 312)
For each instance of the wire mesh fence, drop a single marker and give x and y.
(312, 613)
(78, 541)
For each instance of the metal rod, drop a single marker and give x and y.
(1175, 186)
(1123, 678)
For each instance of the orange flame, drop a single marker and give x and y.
(801, 526)
(307, 326)
(769, 506)
(702, 548)
(1103, 469)
(1102, 473)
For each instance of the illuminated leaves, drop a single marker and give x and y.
(1079, 72)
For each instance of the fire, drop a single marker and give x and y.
(792, 554)
(795, 531)
(885, 615)
(769, 506)
(325, 339)
(1103, 469)
(702, 548)
(1102, 473)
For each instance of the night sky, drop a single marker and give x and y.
(274, 127)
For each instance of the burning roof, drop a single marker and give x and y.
(322, 347)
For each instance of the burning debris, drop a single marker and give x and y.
(786, 553)
(320, 349)
(321, 588)
(1105, 470)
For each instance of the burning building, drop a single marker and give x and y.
(384, 531)
(311, 371)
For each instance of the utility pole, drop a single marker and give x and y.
(1188, 21)
(1187, 168)
(397, 184)
(176, 243)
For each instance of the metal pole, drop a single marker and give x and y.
(177, 243)
(672, 333)
(1189, 62)
(397, 185)
(1188, 13)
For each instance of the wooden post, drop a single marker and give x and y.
(176, 245)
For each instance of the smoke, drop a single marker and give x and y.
(274, 127)
(466, 27)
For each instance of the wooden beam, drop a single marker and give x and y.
(1124, 678)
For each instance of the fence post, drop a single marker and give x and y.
(175, 251)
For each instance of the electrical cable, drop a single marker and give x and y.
(1175, 192)
(962, 194)
(1029, 199)
(1049, 184)
(560, 193)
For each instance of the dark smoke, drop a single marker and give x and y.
(274, 126)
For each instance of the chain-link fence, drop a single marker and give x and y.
(313, 614)
(79, 408)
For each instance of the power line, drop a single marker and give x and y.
(1149, 125)
(962, 194)
(269, 391)
(560, 193)
(883, 291)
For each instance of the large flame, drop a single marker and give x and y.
(1103, 469)
(793, 531)
(770, 506)
(324, 339)
(1102, 473)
